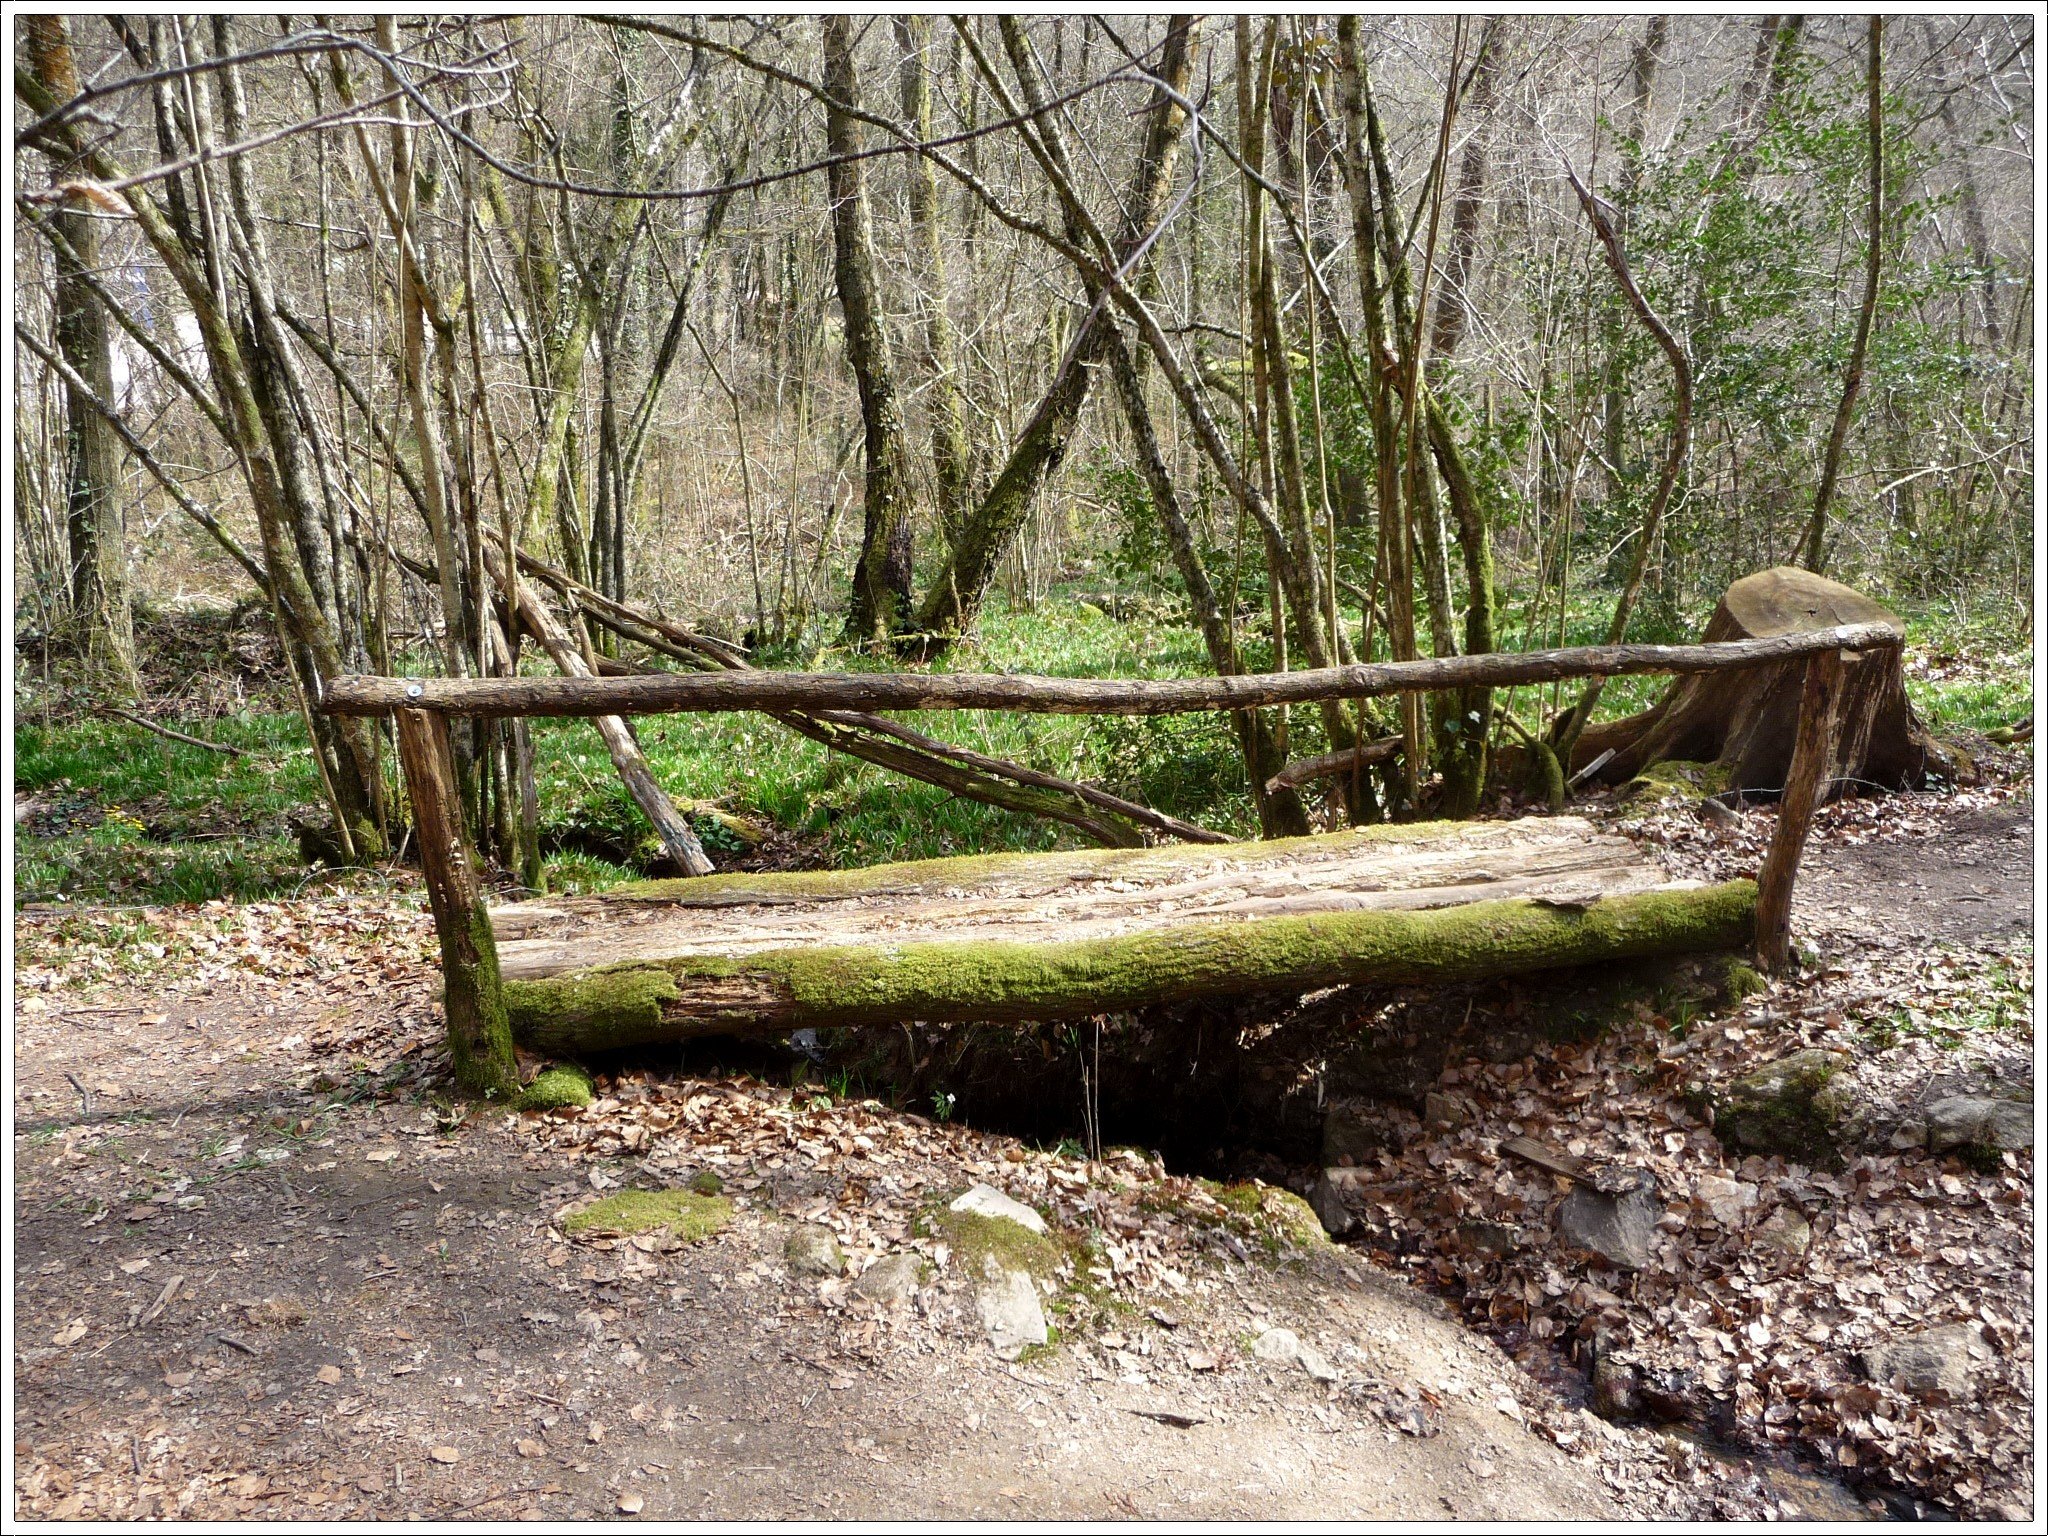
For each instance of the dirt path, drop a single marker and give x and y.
(240, 1296)
(265, 1267)
(1965, 877)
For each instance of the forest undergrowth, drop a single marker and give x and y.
(107, 810)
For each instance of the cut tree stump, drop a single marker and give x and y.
(1747, 721)
(1049, 936)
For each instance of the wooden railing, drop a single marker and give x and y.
(478, 1036)
(658, 693)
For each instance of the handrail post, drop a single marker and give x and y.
(1806, 784)
(479, 1037)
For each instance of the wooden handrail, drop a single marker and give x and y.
(717, 692)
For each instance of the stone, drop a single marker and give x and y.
(1328, 1200)
(1007, 1302)
(1616, 1221)
(1784, 1231)
(984, 1200)
(1277, 1346)
(1728, 1201)
(1798, 1107)
(1353, 1132)
(1940, 1360)
(1283, 1346)
(891, 1281)
(1312, 1361)
(1441, 1112)
(1489, 1239)
(811, 1250)
(1994, 1125)
(1617, 1388)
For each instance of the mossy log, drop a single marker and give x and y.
(1043, 937)
(1746, 722)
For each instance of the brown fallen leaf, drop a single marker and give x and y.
(447, 1455)
(631, 1503)
(328, 1375)
(70, 1333)
(530, 1448)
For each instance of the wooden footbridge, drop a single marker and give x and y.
(1045, 936)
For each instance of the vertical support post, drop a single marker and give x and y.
(1806, 783)
(479, 1037)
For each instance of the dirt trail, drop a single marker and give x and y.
(298, 1328)
(264, 1268)
(1966, 878)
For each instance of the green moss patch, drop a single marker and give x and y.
(561, 1086)
(1795, 1107)
(1687, 781)
(682, 1213)
(1274, 1218)
(976, 1239)
(938, 981)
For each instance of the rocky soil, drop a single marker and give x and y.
(1797, 1220)
(265, 1266)
(1675, 1266)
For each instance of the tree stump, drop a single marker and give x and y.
(1747, 721)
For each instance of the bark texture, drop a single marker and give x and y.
(1748, 721)
(1050, 936)
(881, 581)
(713, 692)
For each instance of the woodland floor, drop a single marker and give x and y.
(265, 1266)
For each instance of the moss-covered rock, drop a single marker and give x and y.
(1294, 1218)
(1276, 1218)
(682, 1213)
(1674, 777)
(1738, 981)
(563, 1085)
(981, 1242)
(1797, 1107)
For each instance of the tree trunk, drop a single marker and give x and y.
(952, 465)
(1573, 721)
(957, 591)
(1813, 547)
(1745, 722)
(1039, 937)
(627, 758)
(881, 602)
(1816, 738)
(94, 518)
(478, 1041)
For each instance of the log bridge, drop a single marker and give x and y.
(1055, 935)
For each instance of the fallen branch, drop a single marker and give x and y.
(627, 758)
(164, 730)
(893, 746)
(1331, 764)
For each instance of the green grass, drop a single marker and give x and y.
(129, 816)
(1998, 1000)
(138, 817)
(1966, 672)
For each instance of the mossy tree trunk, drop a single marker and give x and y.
(775, 991)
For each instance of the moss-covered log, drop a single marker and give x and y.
(776, 990)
